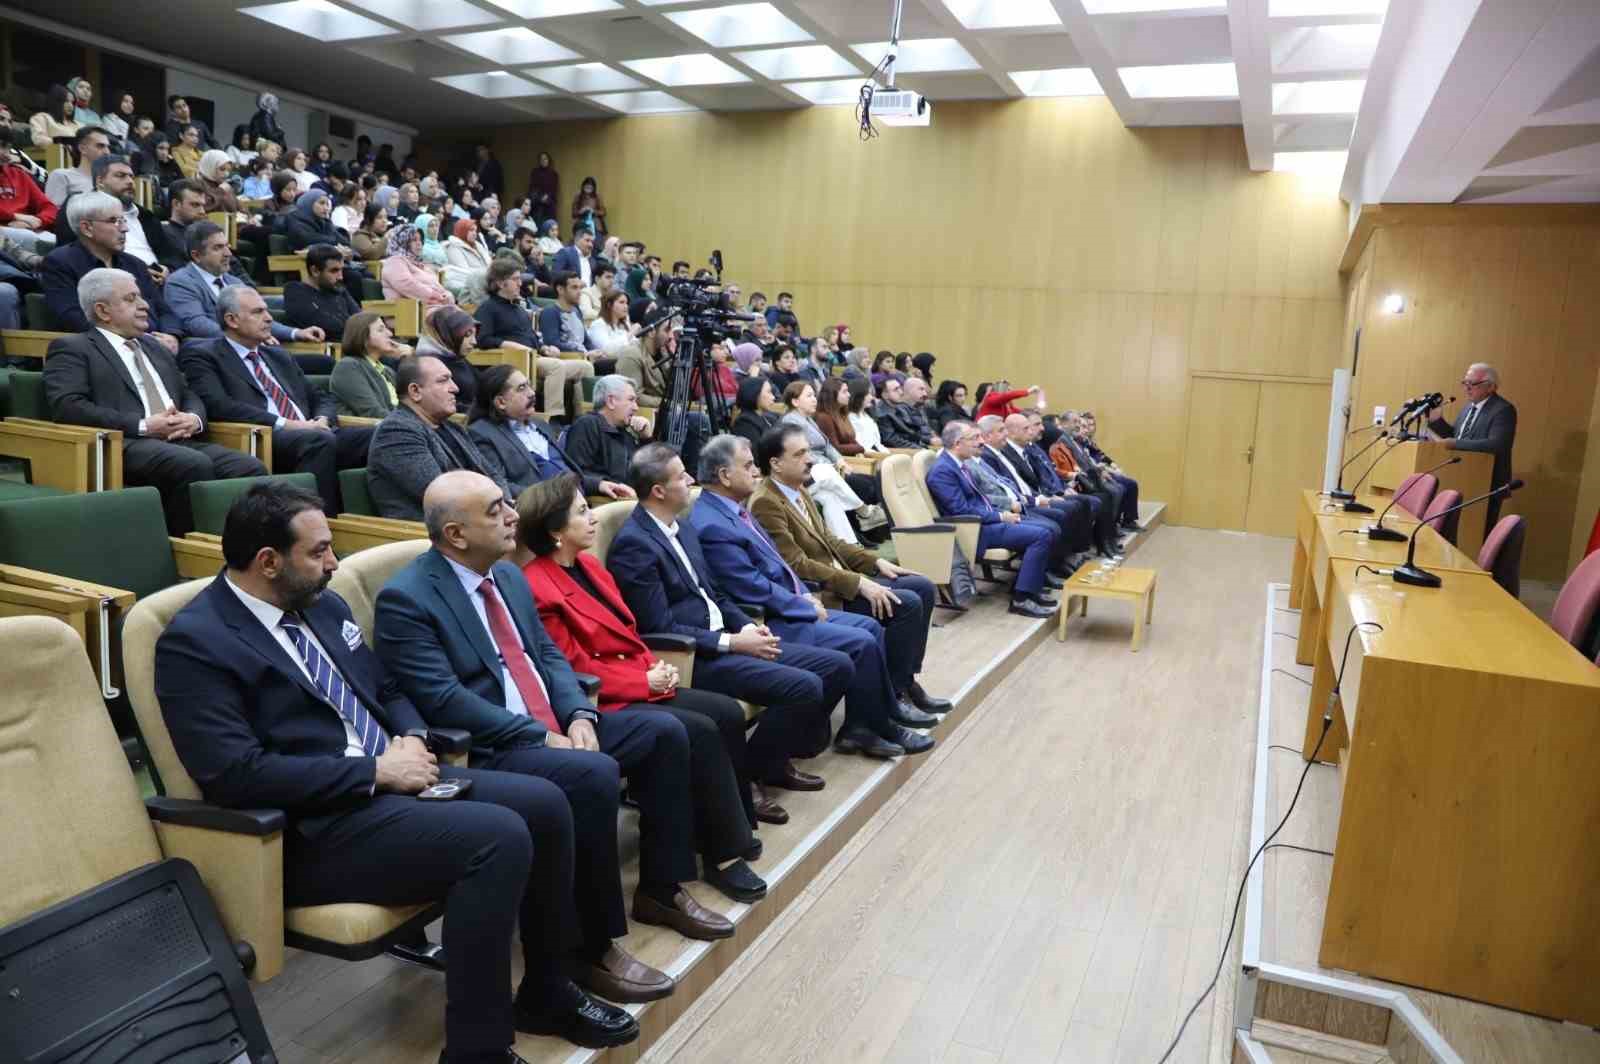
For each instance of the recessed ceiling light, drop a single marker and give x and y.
(641, 103)
(805, 61)
(555, 8)
(1067, 81)
(1325, 8)
(1000, 14)
(429, 14)
(1325, 168)
(494, 85)
(1182, 81)
(1128, 7)
(824, 93)
(1317, 97)
(317, 18)
(514, 46)
(586, 77)
(698, 68)
(740, 25)
(929, 56)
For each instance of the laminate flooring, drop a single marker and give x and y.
(1056, 888)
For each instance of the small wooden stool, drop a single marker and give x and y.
(1130, 585)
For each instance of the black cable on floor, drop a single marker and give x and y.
(1295, 750)
(1302, 849)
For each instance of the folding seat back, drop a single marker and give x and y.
(362, 575)
(1435, 514)
(210, 500)
(1501, 555)
(353, 487)
(115, 538)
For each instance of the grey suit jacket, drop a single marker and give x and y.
(357, 386)
(191, 297)
(406, 455)
(1494, 431)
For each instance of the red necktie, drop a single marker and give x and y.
(510, 647)
(280, 398)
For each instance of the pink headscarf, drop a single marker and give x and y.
(745, 356)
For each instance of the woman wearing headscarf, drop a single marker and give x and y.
(544, 188)
(264, 123)
(406, 275)
(589, 209)
(746, 356)
(466, 263)
(550, 237)
(431, 226)
(119, 120)
(57, 119)
(213, 173)
(309, 223)
(82, 98)
(450, 334)
(285, 192)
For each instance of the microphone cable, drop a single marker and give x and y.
(1327, 724)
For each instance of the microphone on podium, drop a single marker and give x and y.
(1358, 507)
(1338, 493)
(1376, 529)
(1409, 573)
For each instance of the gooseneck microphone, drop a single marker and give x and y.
(1409, 573)
(1376, 529)
(1362, 508)
(1338, 491)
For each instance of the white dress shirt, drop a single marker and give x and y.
(136, 244)
(535, 441)
(1474, 412)
(266, 400)
(1005, 459)
(715, 623)
(470, 583)
(271, 617)
(120, 344)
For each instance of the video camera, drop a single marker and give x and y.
(703, 305)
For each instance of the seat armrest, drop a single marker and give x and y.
(961, 519)
(668, 642)
(244, 437)
(756, 613)
(188, 813)
(941, 529)
(448, 740)
(589, 685)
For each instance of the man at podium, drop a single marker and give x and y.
(1488, 424)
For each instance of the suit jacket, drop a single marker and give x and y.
(429, 637)
(660, 591)
(64, 267)
(1044, 471)
(87, 383)
(749, 568)
(956, 495)
(248, 725)
(1024, 488)
(407, 453)
(1494, 431)
(1086, 467)
(811, 550)
(192, 296)
(599, 639)
(231, 393)
(567, 259)
(306, 305)
(523, 468)
(998, 488)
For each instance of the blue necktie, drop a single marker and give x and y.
(335, 690)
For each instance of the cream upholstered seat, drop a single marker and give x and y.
(247, 880)
(608, 522)
(923, 542)
(362, 575)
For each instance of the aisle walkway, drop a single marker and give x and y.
(1056, 888)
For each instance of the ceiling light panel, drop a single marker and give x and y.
(1067, 81)
(1154, 7)
(740, 25)
(515, 46)
(1320, 164)
(1325, 8)
(429, 14)
(1003, 14)
(698, 68)
(1317, 97)
(824, 93)
(494, 85)
(806, 61)
(587, 77)
(929, 56)
(317, 18)
(641, 103)
(1181, 81)
(555, 8)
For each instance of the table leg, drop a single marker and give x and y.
(1150, 605)
(1138, 626)
(1062, 612)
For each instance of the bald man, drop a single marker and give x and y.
(1074, 520)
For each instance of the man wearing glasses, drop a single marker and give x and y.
(102, 230)
(1489, 425)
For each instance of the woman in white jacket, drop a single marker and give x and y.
(611, 332)
(466, 259)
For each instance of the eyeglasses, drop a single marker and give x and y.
(1474, 384)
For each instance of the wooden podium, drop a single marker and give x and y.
(1470, 477)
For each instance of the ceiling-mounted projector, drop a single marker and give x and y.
(898, 107)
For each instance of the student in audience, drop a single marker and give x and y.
(322, 302)
(120, 119)
(450, 334)
(27, 215)
(214, 172)
(351, 206)
(271, 151)
(178, 116)
(467, 262)
(193, 292)
(100, 223)
(647, 364)
(83, 102)
(785, 367)
(747, 360)
(584, 613)
(603, 441)
(610, 333)
(258, 184)
(187, 149)
(749, 567)
(862, 423)
(787, 330)
(86, 382)
(758, 409)
(242, 148)
(113, 176)
(528, 449)
(58, 120)
(502, 318)
(950, 404)
(361, 384)
(406, 275)
(578, 257)
(882, 369)
(489, 231)
(550, 237)
(166, 169)
(605, 276)
(956, 494)
(62, 184)
(839, 494)
(418, 441)
(370, 238)
(410, 202)
(915, 392)
(1128, 517)
(818, 365)
(18, 267)
(298, 165)
(833, 417)
(527, 714)
(310, 223)
(249, 732)
(589, 210)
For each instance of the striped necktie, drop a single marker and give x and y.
(281, 402)
(335, 690)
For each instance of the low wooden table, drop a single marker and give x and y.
(1129, 585)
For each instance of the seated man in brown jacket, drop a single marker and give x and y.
(900, 600)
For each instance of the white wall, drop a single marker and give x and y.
(235, 103)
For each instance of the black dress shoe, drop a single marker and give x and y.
(419, 951)
(753, 853)
(1028, 608)
(910, 716)
(861, 741)
(926, 702)
(588, 1022)
(792, 779)
(910, 741)
(737, 882)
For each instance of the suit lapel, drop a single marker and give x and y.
(591, 606)
(333, 642)
(449, 589)
(232, 363)
(663, 541)
(106, 352)
(261, 642)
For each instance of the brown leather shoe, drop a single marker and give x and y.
(768, 811)
(624, 979)
(793, 779)
(685, 916)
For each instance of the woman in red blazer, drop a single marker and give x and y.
(584, 613)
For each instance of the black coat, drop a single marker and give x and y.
(1494, 432)
(219, 376)
(599, 449)
(306, 305)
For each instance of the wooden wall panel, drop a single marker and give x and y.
(1041, 239)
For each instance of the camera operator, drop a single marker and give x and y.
(649, 365)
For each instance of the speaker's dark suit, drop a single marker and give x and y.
(86, 382)
(1493, 431)
(431, 639)
(799, 690)
(254, 732)
(231, 393)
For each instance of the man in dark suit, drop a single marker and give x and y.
(1073, 519)
(525, 446)
(99, 221)
(1097, 481)
(1046, 478)
(242, 378)
(274, 701)
(323, 302)
(1129, 517)
(577, 257)
(1488, 425)
(750, 568)
(114, 376)
(459, 630)
(418, 441)
(665, 580)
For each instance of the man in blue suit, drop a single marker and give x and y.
(664, 577)
(956, 495)
(749, 566)
(192, 291)
(577, 257)
(459, 630)
(1071, 521)
(273, 701)
(1045, 477)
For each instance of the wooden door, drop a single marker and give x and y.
(1218, 452)
(1290, 444)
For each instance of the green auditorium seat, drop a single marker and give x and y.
(210, 499)
(16, 489)
(371, 289)
(72, 458)
(353, 486)
(37, 313)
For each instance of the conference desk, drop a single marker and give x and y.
(1314, 504)
(1465, 732)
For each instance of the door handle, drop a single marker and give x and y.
(1250, 455)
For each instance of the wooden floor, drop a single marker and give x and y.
(1055, 889)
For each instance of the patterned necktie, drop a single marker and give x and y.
(277, 396)
(516, 661)
(147, 377)
(1466, 426)
(772, 549)
(335, 690)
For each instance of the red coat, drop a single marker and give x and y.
(19, 195)
(592, 637)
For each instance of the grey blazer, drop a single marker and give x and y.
(1494, 431)
(406, 455)
(358, 386)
